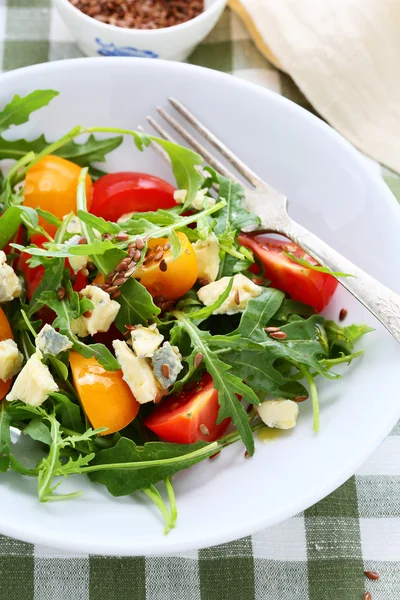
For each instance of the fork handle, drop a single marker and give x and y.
(380, 300)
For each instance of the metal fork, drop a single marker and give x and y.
(271, 206)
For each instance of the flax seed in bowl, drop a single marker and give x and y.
(168, 29)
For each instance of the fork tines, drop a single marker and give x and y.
(209, 158)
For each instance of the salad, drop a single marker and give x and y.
(145, 327)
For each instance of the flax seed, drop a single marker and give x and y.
(258, 281)
(203, 281)
(246, 454)
(148, 260)
(278, 335)
(130, 327)
(122, 236)
(300, 398)
(163, 265)
(373, 575)
(214, 455)
(61, 293)
(237, 297)
(198, 359)
(204, 429)
(157, 248)
(166, 247)
(271, 329)
(115, 294)
(84, 272)
(159, 255)
(165, 370)
(139, 243)
(87, 314)
(367, 596)
(112, 289)
(130, 271)
(343, 314)
(82, 240)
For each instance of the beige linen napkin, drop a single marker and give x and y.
(345, 57)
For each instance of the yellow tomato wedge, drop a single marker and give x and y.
(106, 398)
(51, 184)
(161, 275)
(5, 334)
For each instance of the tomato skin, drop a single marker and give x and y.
(51, 184)
(179, 276)
(178, 418)
(5, 334)
(106, 398)
(308, 286)
(116, 194)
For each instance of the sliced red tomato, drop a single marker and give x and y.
(34, 276)
(190, 416)
(117, 194)
(301, 283)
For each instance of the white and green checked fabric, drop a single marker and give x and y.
(318, 555)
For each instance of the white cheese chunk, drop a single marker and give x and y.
(101, 316)
(146, 340)
(137, 373)
(10, 359)
(207, 256)
(243, 289)
(74, 224)
(77, 262)
(49, 341)
(10, 285)
(279, 413)
(34, 383)
(200, 201)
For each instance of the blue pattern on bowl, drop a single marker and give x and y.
(113, 50)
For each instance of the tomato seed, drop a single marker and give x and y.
(278, 335)
(343, 314)
(373, 575)
(204, 429)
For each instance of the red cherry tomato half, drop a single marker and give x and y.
(308, 286)
(116, 194)
(190, 416)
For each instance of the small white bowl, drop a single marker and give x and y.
(172, 43)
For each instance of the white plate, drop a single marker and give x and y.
(334, 192)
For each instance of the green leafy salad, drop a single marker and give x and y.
(144, 327)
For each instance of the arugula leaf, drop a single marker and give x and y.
(258, 312)
(50, 281)
(137, 306)
(233, 216)
(38, 431)
(98, 222)
(49, 217)
(5, 439)
(292, 307)
(68, 310)
(123, 482)
(229, 386)
(93, 150)
(69, 413)
(20, 108)
(342, 339)
(207, 311)
(184, 163)
(12, 218)
(318, 268)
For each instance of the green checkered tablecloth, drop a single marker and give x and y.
(318, 555)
